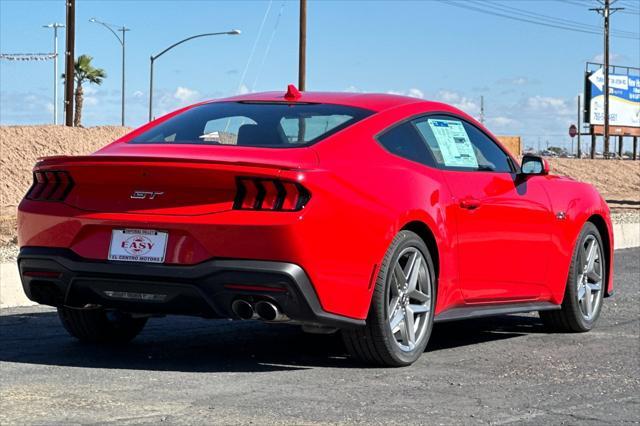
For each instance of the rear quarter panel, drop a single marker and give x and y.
(580, 202)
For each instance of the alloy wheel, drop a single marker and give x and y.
(589, 280)
(409, 300)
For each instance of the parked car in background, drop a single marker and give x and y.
(375, 216)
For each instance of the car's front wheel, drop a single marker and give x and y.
(95, 325)
(401, 314)
(585, 286)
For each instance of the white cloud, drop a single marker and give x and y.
(416, 93)
(412, 92)
(138, 94)
(243, 89)
(352, 89)
(90, 101)
(185, 95)
(501, 122)
(515, 81)
(549, 105)
(614, 58)
(466, 104)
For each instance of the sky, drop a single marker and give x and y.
(529, 75)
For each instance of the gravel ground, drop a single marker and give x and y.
(503, 370)
(9, 253)
(625, 216)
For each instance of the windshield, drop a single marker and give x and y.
(275, 125)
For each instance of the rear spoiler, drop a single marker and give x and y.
(286, 159)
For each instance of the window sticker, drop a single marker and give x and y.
(454, 143)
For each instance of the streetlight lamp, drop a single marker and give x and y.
(122, 29)
(55, 27)
(154, 57)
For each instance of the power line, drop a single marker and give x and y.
(255, 44)
(630, 9)
(268, 48)
(559, 21)
(480, 8)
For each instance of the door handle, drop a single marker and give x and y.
(470, 204)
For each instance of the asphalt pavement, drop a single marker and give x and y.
(191, 371)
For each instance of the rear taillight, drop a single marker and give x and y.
(50, 185)
(270, 194)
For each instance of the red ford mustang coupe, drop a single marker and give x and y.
(372, 215)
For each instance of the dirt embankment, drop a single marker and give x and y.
(617, 180)
(20, 146)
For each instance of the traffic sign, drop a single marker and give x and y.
(573, 130)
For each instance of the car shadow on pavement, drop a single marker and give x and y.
(454, 334)
(187, 344)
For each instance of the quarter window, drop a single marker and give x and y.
(404, 141)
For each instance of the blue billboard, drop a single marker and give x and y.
(624, 99)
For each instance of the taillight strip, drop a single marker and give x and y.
(48, 184)
(289, 196)
(260, 195)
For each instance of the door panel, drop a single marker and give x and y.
(503, 221)
(504, 235)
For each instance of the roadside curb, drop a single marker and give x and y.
(11, 293)
(625, 235)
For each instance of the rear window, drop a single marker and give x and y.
(276, 125)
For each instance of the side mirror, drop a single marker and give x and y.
(534, 165)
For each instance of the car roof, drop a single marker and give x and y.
(371, 101)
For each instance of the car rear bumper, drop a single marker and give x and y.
(59, 277)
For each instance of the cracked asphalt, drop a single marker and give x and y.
(190, 371)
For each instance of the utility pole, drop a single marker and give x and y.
(579, 154)
(302, 47)
(69, 62)
(482, 109)
(606, 12)
(55, 27)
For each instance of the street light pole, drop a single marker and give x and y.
(151, 87)
(55, 27)
(154, 57)
(122, 42)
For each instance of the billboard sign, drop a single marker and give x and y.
(624, 99)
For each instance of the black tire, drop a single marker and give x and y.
(94, 325)
(375, 343)
(570, 318)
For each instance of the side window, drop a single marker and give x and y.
(404, 141)
(458, 145)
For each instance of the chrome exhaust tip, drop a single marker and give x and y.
(242, 309)
(267, 311)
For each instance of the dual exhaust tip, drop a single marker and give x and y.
(263, 310)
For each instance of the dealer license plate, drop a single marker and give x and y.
(138, 245)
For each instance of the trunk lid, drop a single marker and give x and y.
(170, 180)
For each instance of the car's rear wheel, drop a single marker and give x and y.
(585, 286)
(401, 314)
(95, 325)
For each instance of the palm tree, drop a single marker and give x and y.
(84, 72)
